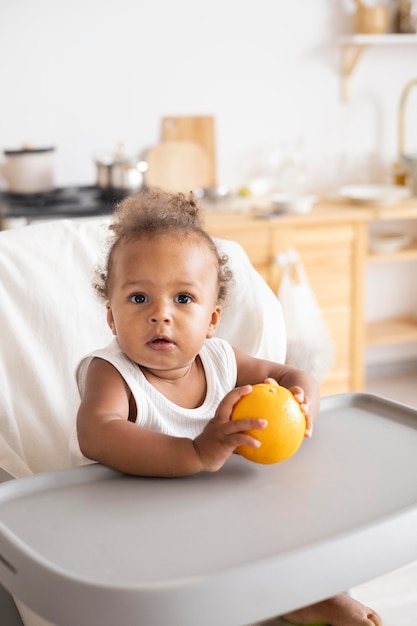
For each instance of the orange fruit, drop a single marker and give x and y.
(283, 435)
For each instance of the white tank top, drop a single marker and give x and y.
(154, 411)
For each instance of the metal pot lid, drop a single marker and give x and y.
(128, 162)
(119, 158)
(27, 150)
(109, 160)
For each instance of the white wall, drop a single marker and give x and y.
(84, 74)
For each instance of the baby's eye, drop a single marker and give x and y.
(183, 298)
(139, 298)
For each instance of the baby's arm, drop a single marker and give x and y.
(106, 435)
(300, 383)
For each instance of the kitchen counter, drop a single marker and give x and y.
(332, 242)
(326, 209)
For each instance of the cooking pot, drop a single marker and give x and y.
(118, 175)
(28, 170)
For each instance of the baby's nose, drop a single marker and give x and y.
(160, 313)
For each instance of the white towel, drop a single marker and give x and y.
(49, 318)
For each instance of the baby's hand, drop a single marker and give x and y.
(298, 393)
(221, 436)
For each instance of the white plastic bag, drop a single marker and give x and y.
(309, 343)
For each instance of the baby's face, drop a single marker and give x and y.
(163, 301)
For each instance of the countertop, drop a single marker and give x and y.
(326, 209)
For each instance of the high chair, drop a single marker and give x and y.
(86, 546)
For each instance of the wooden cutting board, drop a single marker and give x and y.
(200, 129)
(178, 166)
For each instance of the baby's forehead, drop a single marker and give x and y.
(167, 257)
(184, 239)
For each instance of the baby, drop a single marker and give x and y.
(157, 400)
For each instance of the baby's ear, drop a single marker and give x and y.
(214, 322)
(110, 320)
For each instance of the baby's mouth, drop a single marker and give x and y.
(161, 343)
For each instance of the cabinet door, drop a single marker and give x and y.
(333, 254)
(253, 235)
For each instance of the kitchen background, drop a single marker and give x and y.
(83, 76)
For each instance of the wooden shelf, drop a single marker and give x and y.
(353, 47)
(395, 330)
(407, 254)
(387, 39)
(406, 209)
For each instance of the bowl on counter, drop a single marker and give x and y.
(388, 241)
(213, 194)
(292, 203)
(374, 194)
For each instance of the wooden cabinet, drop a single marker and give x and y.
(331, 242)
(400, 217)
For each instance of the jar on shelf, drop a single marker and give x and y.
(399, 174)
(406, 17)
(371, 19)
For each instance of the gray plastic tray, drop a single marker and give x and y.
(91, 546)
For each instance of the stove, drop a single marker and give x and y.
(62, 202)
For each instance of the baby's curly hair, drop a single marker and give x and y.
(153, 213)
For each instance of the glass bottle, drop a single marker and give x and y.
(406, 17)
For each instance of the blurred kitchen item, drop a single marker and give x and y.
(28, 170)
(259, 168)
(374, 194)
(199, 129)
(406, 17)
(388, 241)
(409, 159)
(310, 345)
(178, 166)
(399, 173)
(292, 177)
(370, 19)
(291, 203)
(213, 194)
(119, 175)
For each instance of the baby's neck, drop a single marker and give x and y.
(186, 388)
